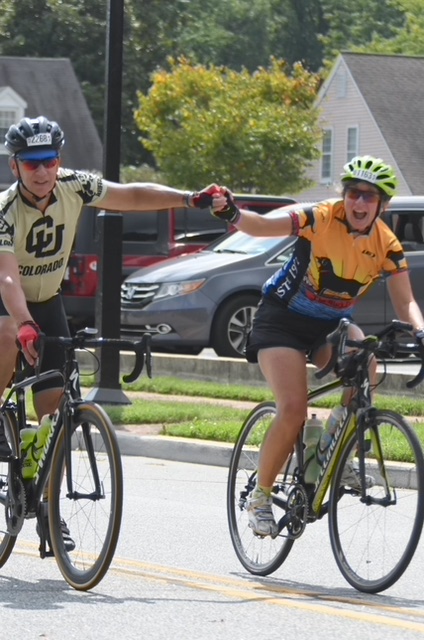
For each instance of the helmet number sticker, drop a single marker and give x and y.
(39, 138)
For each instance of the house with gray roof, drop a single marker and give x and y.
(48, 86)
(371, 104)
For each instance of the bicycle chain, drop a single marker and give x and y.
(298, 508)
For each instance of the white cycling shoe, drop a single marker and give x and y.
(261, 518)
(352, 479)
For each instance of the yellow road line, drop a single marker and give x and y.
(252, 589)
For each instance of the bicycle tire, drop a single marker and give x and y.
(259, 555)
(94, 524)
(7, 541)
(373, 543)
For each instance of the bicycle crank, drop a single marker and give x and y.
(296, 518)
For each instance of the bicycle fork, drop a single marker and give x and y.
(367, 422)
(87, 440)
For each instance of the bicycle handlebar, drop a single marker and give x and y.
(85, 339)
(383, 344)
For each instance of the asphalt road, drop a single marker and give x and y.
(175, 575)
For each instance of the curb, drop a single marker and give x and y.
(215, 454)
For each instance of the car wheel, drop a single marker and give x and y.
(232, 325)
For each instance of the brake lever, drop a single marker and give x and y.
(420, 375)
(334, 339)
(143, 354)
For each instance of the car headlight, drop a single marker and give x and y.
(172, 289)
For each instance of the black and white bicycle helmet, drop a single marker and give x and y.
(34, 134)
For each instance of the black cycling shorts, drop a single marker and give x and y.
(275, 325)
(51, 318)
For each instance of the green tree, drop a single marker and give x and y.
(253, 132)
(245, 33)
(356, 23)
(236, 34)
(407, 39)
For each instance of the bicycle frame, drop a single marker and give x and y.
(355, 417)
(19, 409)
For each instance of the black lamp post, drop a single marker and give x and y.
(108, 389)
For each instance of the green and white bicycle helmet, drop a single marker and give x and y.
(372, 170)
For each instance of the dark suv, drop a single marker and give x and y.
(147, 238)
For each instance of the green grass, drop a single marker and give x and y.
(185, 420)
(406, 405)
(213, 422)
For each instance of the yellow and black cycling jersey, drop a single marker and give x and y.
(331, 266)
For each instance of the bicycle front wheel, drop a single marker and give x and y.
(87, 496)
(7, 541)
(374, 537)
(259, 555)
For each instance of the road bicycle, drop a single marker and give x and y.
(80, 479)
(374, 530)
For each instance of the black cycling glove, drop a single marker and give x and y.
(230, 213)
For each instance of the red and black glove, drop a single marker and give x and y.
(202, 199)
(231, 212)
(27, 331)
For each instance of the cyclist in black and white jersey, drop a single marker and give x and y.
(38, 218)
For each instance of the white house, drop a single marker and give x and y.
(371, 104)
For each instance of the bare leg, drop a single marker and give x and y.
(285, 372)
(46, 402)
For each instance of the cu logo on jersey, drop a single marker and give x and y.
(45, 239)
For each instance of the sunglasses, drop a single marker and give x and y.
(32, 165)
(367, 196)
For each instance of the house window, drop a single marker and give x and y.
(352, 142)
(327, 155)
(341, 83)
(7, 117)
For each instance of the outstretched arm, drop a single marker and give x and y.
(144, 196)
(256, 224)
(253, 223)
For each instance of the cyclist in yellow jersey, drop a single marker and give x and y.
(38, 218)
(342, 247)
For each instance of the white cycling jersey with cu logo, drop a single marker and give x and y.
(40, 241)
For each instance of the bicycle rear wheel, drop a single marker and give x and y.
(7, 541)
(259, 555)
(374, 539)
(93, 513)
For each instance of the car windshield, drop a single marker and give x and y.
(240, 242)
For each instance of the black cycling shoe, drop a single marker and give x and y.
(66, 535)
(5, 450)
(69, 543)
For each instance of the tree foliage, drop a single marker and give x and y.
(252, 131)
(407, 39)
(354, 23)
(236, 34)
